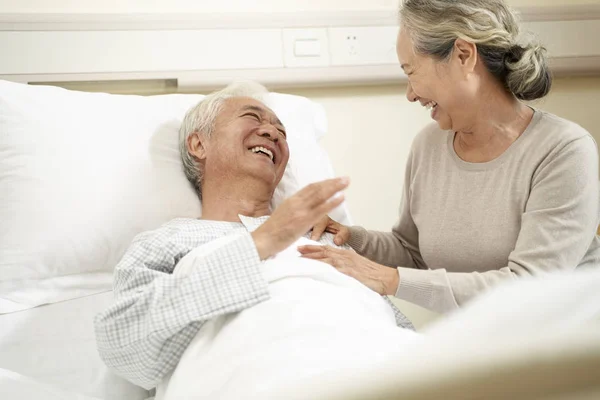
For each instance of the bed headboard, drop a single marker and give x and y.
(177, 52)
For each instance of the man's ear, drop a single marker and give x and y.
(196, 143)
(466, 55)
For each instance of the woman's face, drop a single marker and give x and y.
(441, 86)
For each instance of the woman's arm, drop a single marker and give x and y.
(557, 230)
(400, 247)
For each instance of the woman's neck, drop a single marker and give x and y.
(496, 126)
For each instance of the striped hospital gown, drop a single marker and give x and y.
(155, 314)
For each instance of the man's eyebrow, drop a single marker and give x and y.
(261, 111)
(253, 108)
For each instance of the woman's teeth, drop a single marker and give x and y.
(430, 105)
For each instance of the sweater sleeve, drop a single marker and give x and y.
(557, 228)
(400, 247)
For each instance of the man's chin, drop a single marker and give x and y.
(269, 176)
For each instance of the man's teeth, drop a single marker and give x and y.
(259, 149)
(430, 105)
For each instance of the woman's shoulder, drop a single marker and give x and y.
(558, 140)
(557, 131)
(429, 137)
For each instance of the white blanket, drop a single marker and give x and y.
(317, 320)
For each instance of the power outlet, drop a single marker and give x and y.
(362, 45)
(352, 46)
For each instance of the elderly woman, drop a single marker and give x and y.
(494, 189)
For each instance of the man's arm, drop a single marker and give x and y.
(156, 314)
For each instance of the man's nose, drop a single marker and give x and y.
(269, 131)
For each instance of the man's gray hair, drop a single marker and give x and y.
(201, 119)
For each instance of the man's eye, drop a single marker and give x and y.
(253, 115)
(283, 133)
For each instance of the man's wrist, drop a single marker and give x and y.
(261, 245)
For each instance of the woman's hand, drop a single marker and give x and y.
(326, 224)
(379, 278)
(296, 215)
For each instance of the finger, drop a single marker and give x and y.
(313, 256)
(310, 249)
(328, 206)
(342, 236)
(331, 229)
(333, 226)
(321, 192)
(319, 228)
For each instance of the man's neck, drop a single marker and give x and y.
(225, 202)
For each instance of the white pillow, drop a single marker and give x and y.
(82, 173)
(55, 345)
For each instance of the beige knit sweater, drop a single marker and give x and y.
(465, 227)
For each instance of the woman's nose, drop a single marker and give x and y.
(410, 94)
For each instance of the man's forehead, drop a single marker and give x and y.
(241, 103)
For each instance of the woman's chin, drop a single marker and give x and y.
(445, 126)
(444, 123)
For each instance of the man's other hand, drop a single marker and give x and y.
(297, 215)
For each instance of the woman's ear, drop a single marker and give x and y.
(466, 54)
(196, 143)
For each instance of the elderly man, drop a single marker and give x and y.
(234, 152)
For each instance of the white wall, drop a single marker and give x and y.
(187, 6)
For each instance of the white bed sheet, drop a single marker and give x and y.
(54, 346)
(15, 386)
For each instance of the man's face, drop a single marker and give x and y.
(248, 139)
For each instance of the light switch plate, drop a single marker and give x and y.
(307, 48)
(297, 39)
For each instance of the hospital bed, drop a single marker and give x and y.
(82, 173)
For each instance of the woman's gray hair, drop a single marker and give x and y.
(434, 26)
(201, 119)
